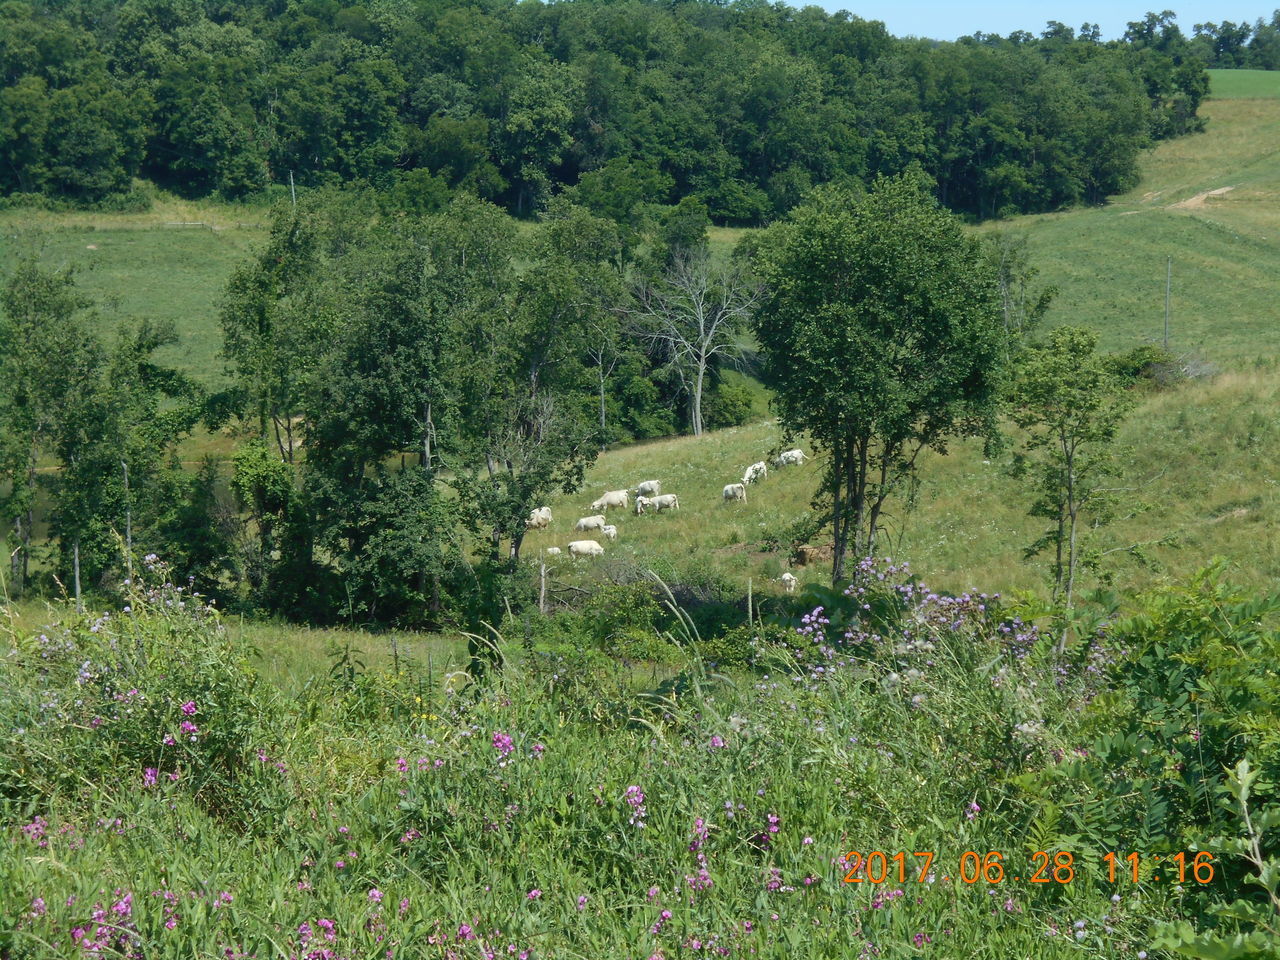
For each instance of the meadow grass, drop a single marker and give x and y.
(555, 813)
(1244, 84)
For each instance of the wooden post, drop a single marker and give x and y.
(293, 193)
(128, 524)
(76, 565)
(542, 586)
(1168, 287)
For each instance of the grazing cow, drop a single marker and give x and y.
(667, 501)
(650, 488)
(735, 491)
(552, 551)
(788, 581)
(595, 522)
(585, 548)
(788, 457)
(757, 471)
(613, 498)
(642, 504)
(610, 531)
(539, 519)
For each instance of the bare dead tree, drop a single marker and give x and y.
(697, 311)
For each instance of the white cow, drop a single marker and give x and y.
(642, 504)
(585, 548)
(649, 488)
(667, 501)
(610, 531)
(540, 518)
(735, 491)
(788, 457)
(612, 498)
(594, 522)
(788, 581)
(552, 551)
(757, 471)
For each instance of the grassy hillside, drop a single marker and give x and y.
(1238, 84)
(1202, 455)
(1200, 478)
(1211, 202)
(169, 263)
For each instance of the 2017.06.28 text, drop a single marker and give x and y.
(1044, 867)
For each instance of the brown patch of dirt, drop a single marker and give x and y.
(1200, 199)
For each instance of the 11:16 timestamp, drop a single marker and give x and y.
(1059, 867)
(1200, 866)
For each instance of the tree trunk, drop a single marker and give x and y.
(428, 427)
(699, 379)
(15, 560)
(601, 407)
(838, 511)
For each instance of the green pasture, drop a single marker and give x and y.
(1198, 481)
(1244, 84)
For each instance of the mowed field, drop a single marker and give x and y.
(1201, 465)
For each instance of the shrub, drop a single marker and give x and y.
(156, 692)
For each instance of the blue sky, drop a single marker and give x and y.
(946, 21)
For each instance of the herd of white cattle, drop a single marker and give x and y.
(649, 498)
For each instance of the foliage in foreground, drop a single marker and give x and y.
(563, 812)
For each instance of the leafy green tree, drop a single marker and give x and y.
(881, 333)
(49, 353)
(1070, 403)
(273, 321)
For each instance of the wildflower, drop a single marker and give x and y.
(973, 810)
(402, 764)
(38, 908)
(375, 895)
(653, 892)
(700, 881)
(404, 906)
(635, 799)
(465, 932)
(718, 742)
(921, 939)
(533, 894)
(189, 708)
(340, 864)
(807, 841)
(502, 743)
(149, 776)
(582, 901)
(538, 748)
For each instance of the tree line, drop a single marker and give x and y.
(744, 106)
(406, 389)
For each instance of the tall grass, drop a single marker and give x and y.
(549, 814)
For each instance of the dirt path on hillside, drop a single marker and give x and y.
(1200, 200)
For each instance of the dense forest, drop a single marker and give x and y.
(744, 106)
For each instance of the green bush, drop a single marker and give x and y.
(727, 404)
(153, 694)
